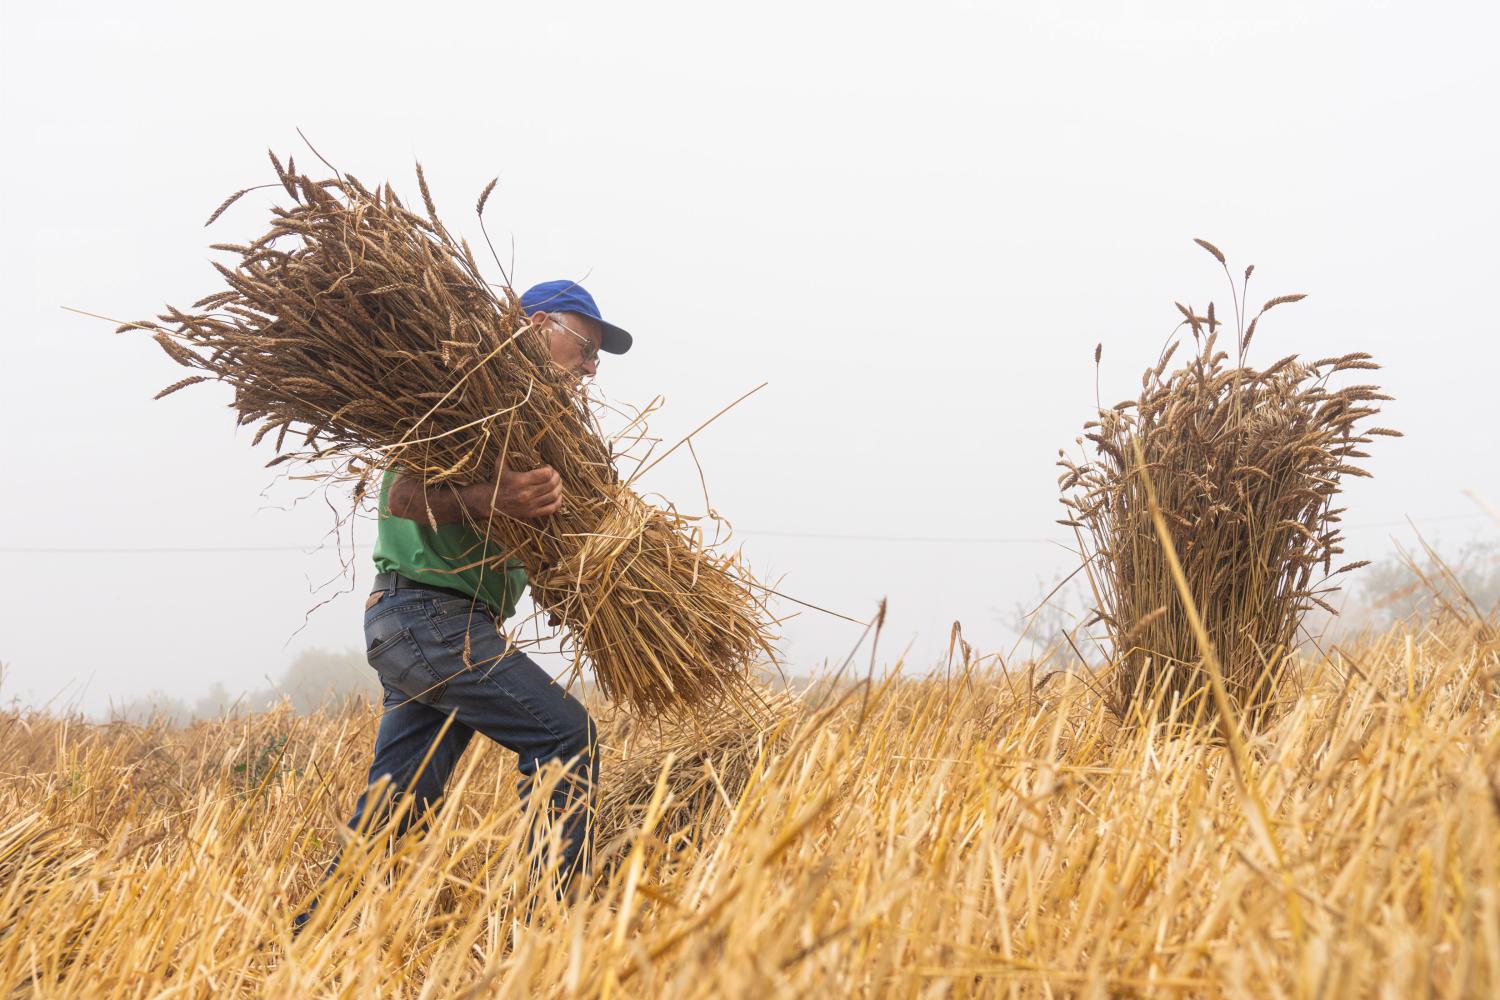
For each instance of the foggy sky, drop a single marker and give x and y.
(914, 222)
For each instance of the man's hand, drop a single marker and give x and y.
(526, 495)
(519, 494)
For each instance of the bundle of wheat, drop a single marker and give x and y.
(706, 763)
(1243, 466)
(368, 332)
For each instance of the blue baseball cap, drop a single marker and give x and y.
(571, 297)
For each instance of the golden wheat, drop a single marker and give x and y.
(1245, 466)
(932, 838)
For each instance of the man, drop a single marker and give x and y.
(432, 624)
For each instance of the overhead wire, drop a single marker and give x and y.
(806, 535)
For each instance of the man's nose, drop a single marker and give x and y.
(590, 367)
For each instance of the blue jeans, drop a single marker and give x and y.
(442, 656)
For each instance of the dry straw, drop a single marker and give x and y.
(968, 837)
(702, 763)
(357, 330)
(1246, 465)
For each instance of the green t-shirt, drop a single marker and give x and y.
(415, 550)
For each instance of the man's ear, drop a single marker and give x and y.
(537, 318)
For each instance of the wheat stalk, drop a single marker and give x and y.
(1247, 464)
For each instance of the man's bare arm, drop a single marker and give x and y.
(531, 494)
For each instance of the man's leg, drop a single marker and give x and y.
(408, 750)
(500, 692)
(402, 768)
(416, 745)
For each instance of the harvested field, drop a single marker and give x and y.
(965, 836)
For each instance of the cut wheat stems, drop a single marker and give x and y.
(1247, 465)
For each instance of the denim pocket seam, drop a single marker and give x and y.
(429, 694)
(386, 643)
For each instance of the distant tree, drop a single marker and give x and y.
(316, 678)
(216, 702)
(320, 678)
(1427, 583)
(1047, 627)
(156, 706)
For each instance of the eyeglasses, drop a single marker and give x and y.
(590, 349)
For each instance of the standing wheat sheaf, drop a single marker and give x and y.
(1246, 465)
(367, 332)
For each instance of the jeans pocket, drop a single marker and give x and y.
(393, 657)
(404, 667)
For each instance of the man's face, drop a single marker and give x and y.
(574, 342)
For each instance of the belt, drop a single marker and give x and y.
(395, 581)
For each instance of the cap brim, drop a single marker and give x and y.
(612, 339)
